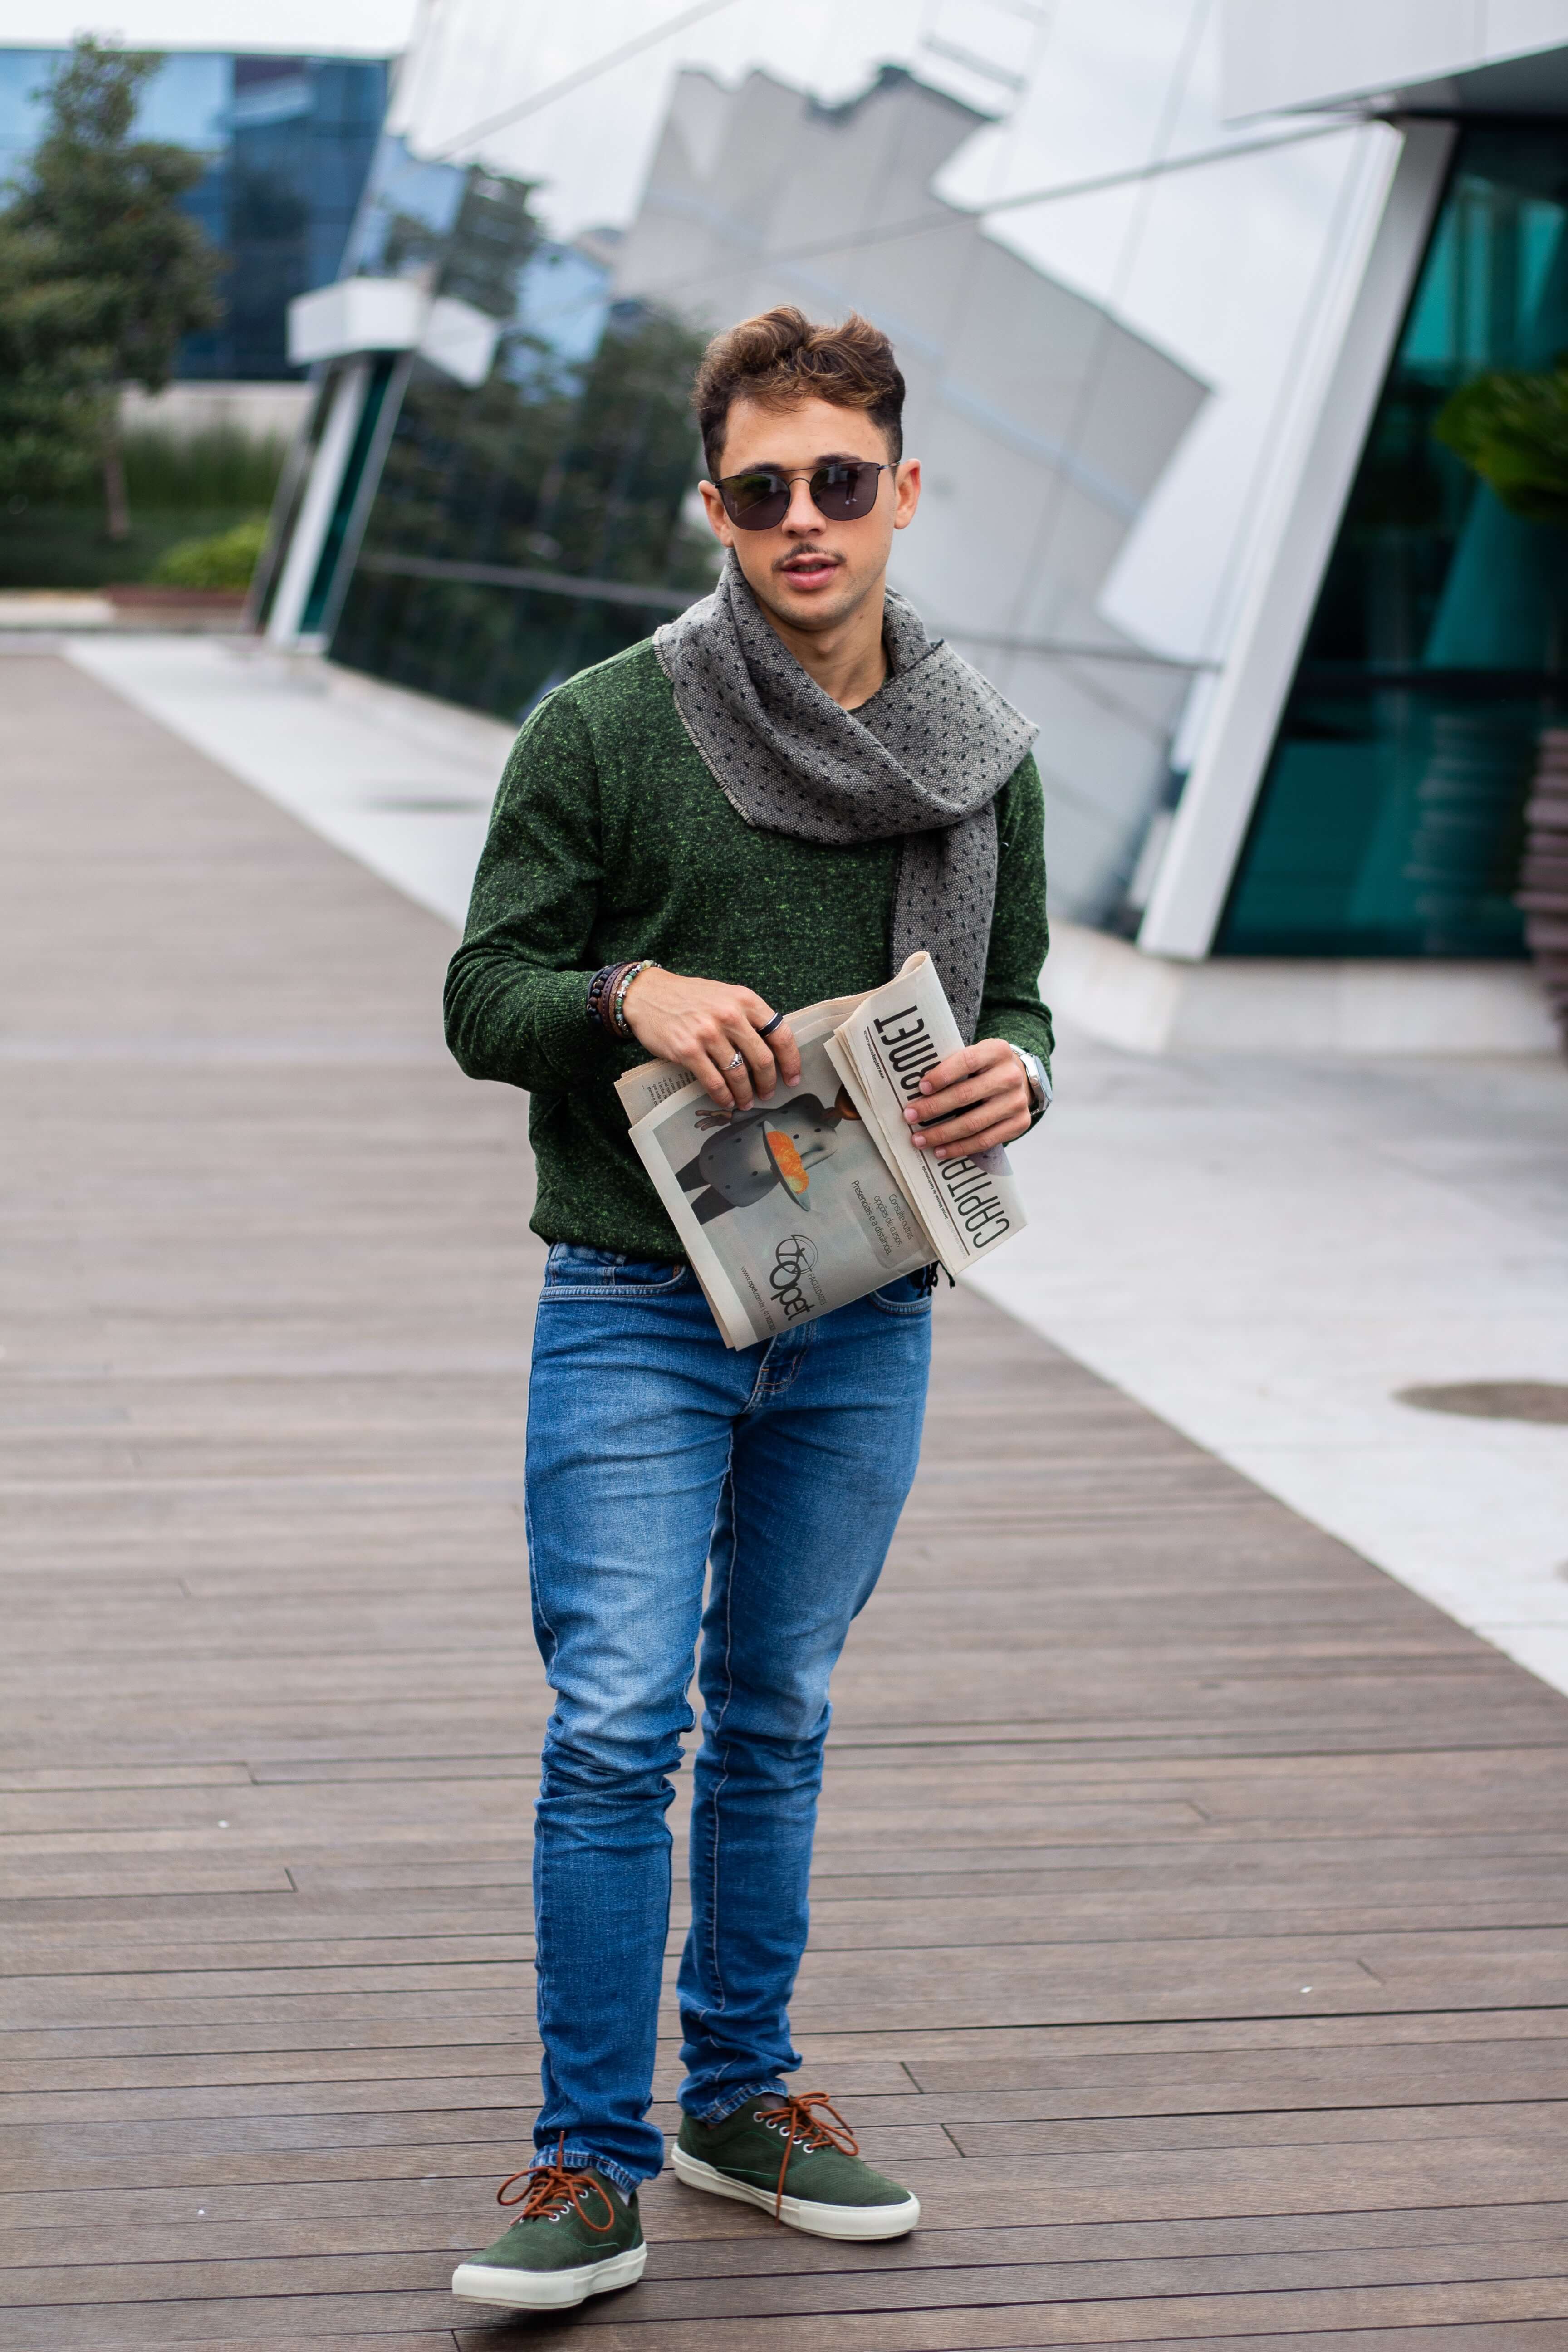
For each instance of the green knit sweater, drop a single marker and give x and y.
(609, 838)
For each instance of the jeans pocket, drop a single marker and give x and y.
(909, 1294)
(577, 1270)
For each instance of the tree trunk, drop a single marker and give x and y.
(1543, 875)
(116, 505)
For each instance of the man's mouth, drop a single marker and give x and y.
(809, 571)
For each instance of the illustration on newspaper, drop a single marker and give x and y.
(795, 1207)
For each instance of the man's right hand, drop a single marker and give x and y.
(704, 1024)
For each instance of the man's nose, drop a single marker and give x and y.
(802, 514)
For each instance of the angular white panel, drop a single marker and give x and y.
(459, 341)
(357, 314)
(310, 532)
(392, 314)
(1280, 54)
(1514, 27)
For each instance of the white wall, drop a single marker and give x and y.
(262, 411)
(372, 28)
(1282, 53)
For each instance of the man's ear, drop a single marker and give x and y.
(906, 493)
(719, 522)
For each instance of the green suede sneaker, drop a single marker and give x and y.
(806, 2172)
(575, 2236)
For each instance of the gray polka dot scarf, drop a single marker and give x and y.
(921, 762)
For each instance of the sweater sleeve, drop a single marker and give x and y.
(1011, 1005)
(516, 988)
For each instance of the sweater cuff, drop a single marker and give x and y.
(558, 1008)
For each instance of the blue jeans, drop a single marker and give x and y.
(656, 1456)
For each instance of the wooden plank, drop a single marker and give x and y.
(709, 2292)
(1144, 2090)
(397, 2339)
(1021, 2330)
(1147, 2183)
(1007, 2055)
(1181, 2319)
(1285, 2250)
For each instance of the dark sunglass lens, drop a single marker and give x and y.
(756, 501)
(845, 493)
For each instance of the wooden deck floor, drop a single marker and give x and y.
(1190, 1906)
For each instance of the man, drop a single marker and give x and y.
(772, 801)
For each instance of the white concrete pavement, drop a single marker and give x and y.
(402, 782)
(1267, 1252)
(1263, 1251)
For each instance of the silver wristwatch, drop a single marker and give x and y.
(1039, 1080)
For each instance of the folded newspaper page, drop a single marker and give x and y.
(882, 1050)
(786, 1210)
(796, 1206)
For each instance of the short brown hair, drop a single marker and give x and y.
(781, 357)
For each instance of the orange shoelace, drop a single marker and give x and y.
(551, 2189)
(808, 2131)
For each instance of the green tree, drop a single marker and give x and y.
(109, 206)
(54, 366)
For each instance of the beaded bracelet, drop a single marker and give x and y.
(618, 1020)
(603, 979)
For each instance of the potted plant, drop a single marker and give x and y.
(1510, 426)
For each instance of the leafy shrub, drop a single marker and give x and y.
(220, 466)
(1510, 426)
(224, 560)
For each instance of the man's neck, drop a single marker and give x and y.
(848, 661)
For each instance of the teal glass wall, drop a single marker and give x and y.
(1389, 822)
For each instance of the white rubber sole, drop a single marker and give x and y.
(546, 2290)
(857, 2221)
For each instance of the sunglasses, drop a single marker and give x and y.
(844, 491)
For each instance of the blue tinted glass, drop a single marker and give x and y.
(1390, 822)
(300, 135)
(24, 76)
(572, 462)
(399, 189)
(289, 142)
(187, 101)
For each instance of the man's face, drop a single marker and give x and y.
(808, 572)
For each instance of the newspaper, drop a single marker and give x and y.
(968, 1206)
(796, 1206)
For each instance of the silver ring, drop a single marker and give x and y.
(734, 1061)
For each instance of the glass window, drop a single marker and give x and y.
(574, 461)
(1389, 823)
(289, 142)
(299, 136)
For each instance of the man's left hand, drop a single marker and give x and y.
(977, 1098)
